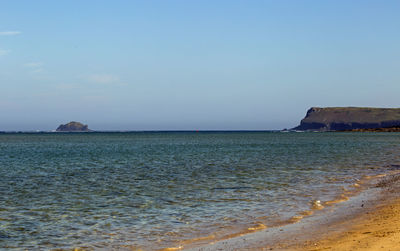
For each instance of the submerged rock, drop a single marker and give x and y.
(73, 127)
(349, 118)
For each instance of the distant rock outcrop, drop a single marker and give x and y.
(349, 118)
(73, 127)
(385, 129)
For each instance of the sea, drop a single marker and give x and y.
(155, 190)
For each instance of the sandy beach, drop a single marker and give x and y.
(375, 229)
(367, 221)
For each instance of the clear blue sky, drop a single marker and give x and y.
(193, 64)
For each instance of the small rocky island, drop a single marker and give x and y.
(350, 119)
(73, 127)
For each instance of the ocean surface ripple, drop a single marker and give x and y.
(155, 190)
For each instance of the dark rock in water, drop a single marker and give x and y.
(73, 127)
(349, 118)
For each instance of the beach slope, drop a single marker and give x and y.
(368, 221)
(376, 229)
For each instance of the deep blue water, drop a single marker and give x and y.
(154, 190)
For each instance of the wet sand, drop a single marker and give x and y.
(368, 221)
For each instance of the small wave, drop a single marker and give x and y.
(230, 188)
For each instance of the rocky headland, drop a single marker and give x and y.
(350, 119)
(73, 127)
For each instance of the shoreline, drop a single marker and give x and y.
(377, 228)
(365, 220)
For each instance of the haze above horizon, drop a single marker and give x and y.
(193, 65)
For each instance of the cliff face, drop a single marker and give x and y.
(349, 118)
(73, 127)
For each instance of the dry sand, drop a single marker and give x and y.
(369, 221)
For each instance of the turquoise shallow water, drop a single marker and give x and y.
(155, 190)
